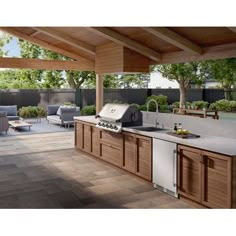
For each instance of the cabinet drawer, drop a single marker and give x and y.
(111, 154)
(113, 139)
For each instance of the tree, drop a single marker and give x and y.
(134, 80)
(224, 72)
(4, 39)
(184, 74)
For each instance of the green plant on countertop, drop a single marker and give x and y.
(160, 99)
(32, 112)
(200, 104)
(88, 110)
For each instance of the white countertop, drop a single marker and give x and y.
(226, 146)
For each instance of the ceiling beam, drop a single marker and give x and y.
(67, 39)
(232, 29)
(174, 39)
(127, 42)
(209, 53)
(46, 45)
(25, 63)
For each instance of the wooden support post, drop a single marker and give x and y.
(99, 92)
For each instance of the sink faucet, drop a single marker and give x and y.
(148, 104)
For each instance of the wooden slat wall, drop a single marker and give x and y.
(134, 62)
(109, 58)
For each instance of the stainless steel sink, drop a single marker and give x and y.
(148, 128)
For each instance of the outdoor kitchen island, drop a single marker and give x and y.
(206, 169)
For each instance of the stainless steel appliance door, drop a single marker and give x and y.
(165, 164)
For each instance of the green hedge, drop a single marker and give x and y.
(88, 110)
(31, 112)
(223, 105)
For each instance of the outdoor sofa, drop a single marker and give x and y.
(3, 122)
(63, 115)
(11, 112)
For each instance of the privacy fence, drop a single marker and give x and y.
(84, 97)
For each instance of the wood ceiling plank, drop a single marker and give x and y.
(127, 42)
(209, 53)
(47, 45)
(232, 29)
(6, 62)
(174, 39)
(67, 39)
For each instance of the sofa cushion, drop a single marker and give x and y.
(52, 109)
(71, 108)
(11, 110)
(3, 113)
(13, 117)
(54, 118)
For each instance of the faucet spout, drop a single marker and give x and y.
(148, 105)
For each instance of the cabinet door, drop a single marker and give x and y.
(95, 148)
(87, 138)
(129, 154)
(216, 180)
(144, 157)
(189, 172)
(111, 154)
(79, 135)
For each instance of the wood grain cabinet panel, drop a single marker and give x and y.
(95, 145)
(144, 157)
(216, 180)
(87, 138)
(205, 177)
(129, 152)
(79, 135)
(189, 173)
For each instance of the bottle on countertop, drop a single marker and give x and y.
(180, 126)
(175, 127)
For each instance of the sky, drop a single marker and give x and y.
(12, 48)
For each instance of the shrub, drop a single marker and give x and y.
(233, 105)
(164, 108)
(31, 112)
(160, 99)
(176, 104)
(143, 107)
(113, 101)
(221, 105)
(88, 110)
(69, 104)
(200, 104)
(135, 105)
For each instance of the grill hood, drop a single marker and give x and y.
(115, 116)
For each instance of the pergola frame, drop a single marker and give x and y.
(116, 49)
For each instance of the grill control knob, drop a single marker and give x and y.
(115, 127)
(107, 125)
(103, 124)
(99, 123)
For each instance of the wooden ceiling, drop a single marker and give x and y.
(159, 44)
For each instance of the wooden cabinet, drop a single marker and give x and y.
(129, 152)
(95, 142)
(111, 147)
(144, 157)
(189, 173)
(205, 177)
(125, 150)
(87, 138)
(216, 180)
(79, 135)
(137, 155)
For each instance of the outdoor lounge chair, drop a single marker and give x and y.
(63, 115)
(11, 112)
(3, 122)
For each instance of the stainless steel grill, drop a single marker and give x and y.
(113, 117)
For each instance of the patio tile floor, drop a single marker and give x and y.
(44, 171)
